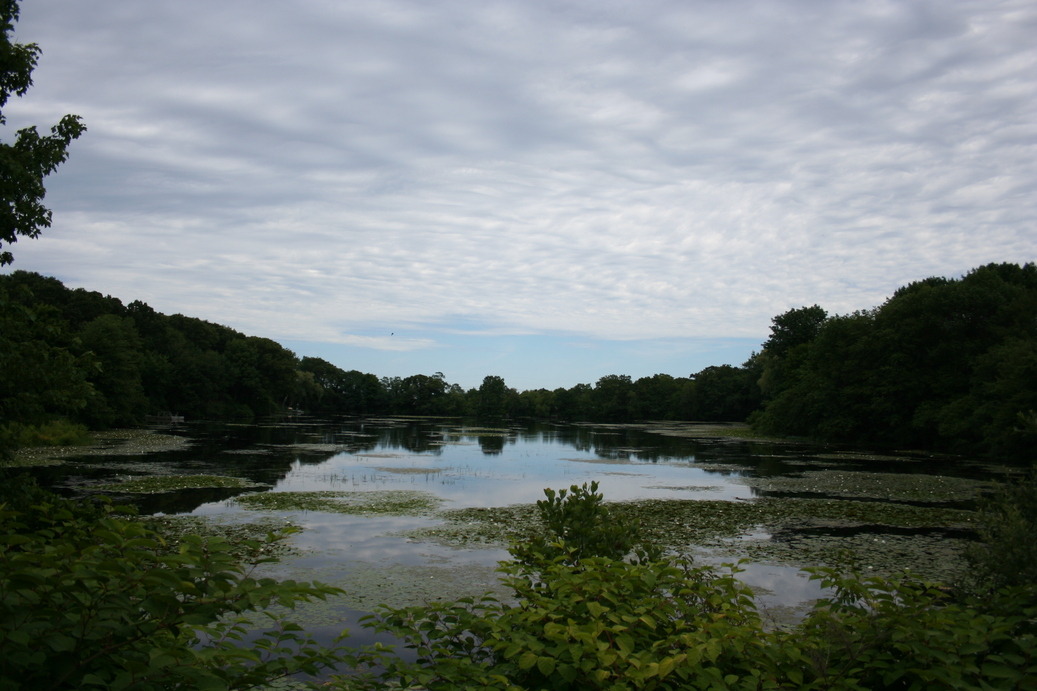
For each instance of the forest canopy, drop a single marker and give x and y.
(943, 364)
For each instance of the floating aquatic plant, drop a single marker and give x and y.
(389, 502)
(157, 484)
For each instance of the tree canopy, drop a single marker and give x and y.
(945, 364)
(32, 156)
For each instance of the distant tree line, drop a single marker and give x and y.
(89, 358)
(943, 364)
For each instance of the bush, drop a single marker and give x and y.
(102, 602)
(576, 524)
(1006, 555)
(878, 633)
(582, 617)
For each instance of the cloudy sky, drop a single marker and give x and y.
(545, 190)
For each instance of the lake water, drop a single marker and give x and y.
(465, 466)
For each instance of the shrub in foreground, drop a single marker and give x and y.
(583, 618)
(90, 602)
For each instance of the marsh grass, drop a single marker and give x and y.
(120, 442)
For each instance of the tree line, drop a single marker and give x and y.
(943, 364)
(90, 359)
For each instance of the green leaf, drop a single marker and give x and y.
(999, 671)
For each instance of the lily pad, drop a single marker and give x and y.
(888, 486)
(157, 484)
(386, 503)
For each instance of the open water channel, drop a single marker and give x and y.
(404, 510)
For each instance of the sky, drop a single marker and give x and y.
(549, 191)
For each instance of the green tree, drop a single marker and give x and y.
(576, 403)
(724, 392)
(794, 328)
(113, 341)
(421, 394)
(42, 376)
(536, 403)
(943, 364)
(26, 162)
(663, 397)
(614, 398)
(493, 398)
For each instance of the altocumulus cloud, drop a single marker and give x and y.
(335, 171)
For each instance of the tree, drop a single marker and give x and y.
(492, 398)
(41, 376)
(116, 346)
(724, 392)
(31, 157)
(614, 398)
(793, 328)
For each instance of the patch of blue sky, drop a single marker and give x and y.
(529, 361)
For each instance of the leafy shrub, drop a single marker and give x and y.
(609, 624)
(88, 602)
(1007, 554)
(582, 617)
(576, 524)
(879, 633)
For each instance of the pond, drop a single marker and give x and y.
(406, 510)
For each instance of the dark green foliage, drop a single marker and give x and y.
(943, 364)
(576, 524)
(84, 356)
(494, 400)
(32, 157)
(614, 399)
(98, 362)
(53, 433)
(350, 392)
(1006, 556)
(725, 393)
(794, 328)
(877, 633)
(662, 397)
(41, 375)
(98, 601)
(115, 346)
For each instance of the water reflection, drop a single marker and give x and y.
(483, 470)
(464, 466)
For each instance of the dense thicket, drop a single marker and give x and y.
(942, 364)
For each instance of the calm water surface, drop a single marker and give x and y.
(465, 466)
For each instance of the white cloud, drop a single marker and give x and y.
(316, 170)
